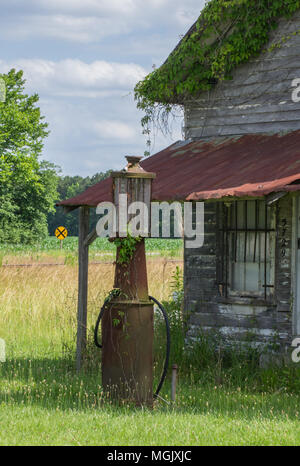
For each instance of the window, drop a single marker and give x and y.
(247, 249)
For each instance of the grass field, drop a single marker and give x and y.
(220, 401)
(51, 247)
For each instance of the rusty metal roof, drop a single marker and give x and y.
(252, 165)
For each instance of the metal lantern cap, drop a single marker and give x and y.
(133, 169)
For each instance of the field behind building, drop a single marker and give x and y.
(223, 397)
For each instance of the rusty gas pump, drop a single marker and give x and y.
(127, 315)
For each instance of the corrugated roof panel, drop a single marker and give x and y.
(99, 192)
(250, 165)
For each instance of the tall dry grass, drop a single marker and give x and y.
(38, 304)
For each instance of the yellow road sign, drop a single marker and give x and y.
(61, 233)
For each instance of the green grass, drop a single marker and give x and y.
(34, 426)
(44, 402)
(70, 244)
(223, 397)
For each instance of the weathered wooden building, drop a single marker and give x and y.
(245, 281)
(241, 156)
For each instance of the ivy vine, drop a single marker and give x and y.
(227, 33)
(126, 247)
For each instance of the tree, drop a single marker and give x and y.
(27, 185)
(70, 186)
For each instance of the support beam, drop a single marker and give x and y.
(83, 259)
(274, 197)
(68, 209)
(91, 238)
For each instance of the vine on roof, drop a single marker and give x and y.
(227, 34)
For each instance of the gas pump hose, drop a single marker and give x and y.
(168, 339)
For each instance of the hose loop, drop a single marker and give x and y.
(116, 292)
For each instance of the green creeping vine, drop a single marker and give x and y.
(114, 293)
(227, 33)
(126, 247)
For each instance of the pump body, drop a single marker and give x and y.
(127, 324)
(127, 335)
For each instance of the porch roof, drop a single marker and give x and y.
(252, 165)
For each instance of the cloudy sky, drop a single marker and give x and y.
(83, 58)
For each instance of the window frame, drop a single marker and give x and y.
(227, 231)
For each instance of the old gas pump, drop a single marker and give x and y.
(127, 315)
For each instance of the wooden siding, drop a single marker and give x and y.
(259, 97)
(239, 319)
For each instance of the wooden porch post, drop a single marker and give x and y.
(83, 259)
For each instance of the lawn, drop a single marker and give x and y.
(43, 401)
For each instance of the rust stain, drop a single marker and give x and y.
(250, 165)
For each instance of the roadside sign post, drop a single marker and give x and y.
(61, 233)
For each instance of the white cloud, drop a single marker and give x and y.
(130, 8)
(84, 29)
(186, 17)
(95, 6)
(92, 20)
(94, 135)
(91, 114)
(105, 129)
(71, 77)
(92, 53)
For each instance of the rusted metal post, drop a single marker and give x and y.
(127, 325)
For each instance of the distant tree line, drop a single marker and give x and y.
(70, 186)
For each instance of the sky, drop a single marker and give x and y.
(83, 58)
